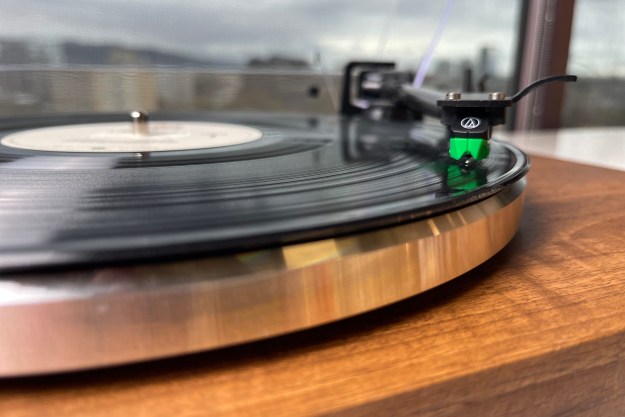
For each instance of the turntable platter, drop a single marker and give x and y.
(118, 257)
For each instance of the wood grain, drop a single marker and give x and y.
(539, 330)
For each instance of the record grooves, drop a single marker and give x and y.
(306, 178)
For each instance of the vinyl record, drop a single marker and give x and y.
(76, 189)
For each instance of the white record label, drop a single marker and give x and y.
(119, 137)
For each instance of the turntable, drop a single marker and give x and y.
(135, 237)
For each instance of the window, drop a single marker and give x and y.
(598, 58)
(286, 55)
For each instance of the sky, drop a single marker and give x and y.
(235, 30)
(336, 30)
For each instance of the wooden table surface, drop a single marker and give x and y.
(539, 330)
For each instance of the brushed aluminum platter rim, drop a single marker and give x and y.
(69, 320)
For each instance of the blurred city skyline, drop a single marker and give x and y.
(325, 33)
(332, 32)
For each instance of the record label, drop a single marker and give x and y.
(119, 137)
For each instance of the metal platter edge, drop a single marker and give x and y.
(69, 320)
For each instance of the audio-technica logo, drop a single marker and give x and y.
(470, 122)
